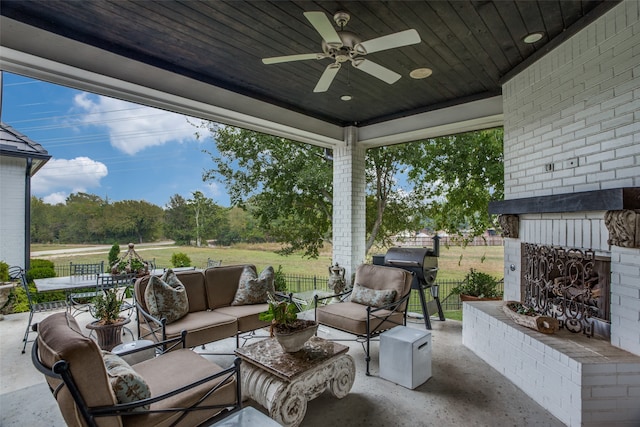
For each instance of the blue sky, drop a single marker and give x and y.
(107, 147)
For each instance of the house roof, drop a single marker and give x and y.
(204, 59)
(15, 144)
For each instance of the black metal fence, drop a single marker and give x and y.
(301, 283)
(449, 301)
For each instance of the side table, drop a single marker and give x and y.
(284, 382)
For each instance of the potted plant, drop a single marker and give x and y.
(287, 329)
(108, 326)
(478, 286)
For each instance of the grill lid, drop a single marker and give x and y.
(420, 261)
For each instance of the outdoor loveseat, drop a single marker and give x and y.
(96, 388)
(377, 302)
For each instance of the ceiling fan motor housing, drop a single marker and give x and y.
(347, 50)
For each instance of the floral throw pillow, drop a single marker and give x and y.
(371, 297)
(127, 384)
(254, 289)
(166, 297)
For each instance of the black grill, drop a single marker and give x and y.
(423, 263)
(420, 261)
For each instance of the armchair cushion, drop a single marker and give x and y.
(127, 384)
(372, 297)
(166, 297)
(253, 289)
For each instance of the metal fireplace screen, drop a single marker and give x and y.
(569, 284)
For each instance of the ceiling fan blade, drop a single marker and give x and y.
(324, 27)
(403, 38)
(377, 70)
(327, 77)
(290, 58)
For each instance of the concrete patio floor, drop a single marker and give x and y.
(464, 390)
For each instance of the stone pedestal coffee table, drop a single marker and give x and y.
(284, 382)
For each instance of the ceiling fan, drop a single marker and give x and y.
(342, 46)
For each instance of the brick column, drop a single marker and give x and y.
(349, 228)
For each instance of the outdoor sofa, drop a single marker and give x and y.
(211, 314)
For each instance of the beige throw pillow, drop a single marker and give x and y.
(371, 297)
(127, 384)
(166, 297)
(254, 289)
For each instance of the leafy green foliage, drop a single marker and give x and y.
(114, 254)
(40, 269)
(179, 259)
(107, 306)
(279, 312)
(478, 284)
(4, 271)
(279, 280)
(287, 186)
(87, 218)
(459, 175)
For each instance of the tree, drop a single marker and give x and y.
(289, 185)
(177, 223)
(135, 218)
(207, 218)
(458, 175)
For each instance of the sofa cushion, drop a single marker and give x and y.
(253, 289)
(352, 317)
(202, 326)
(222, 284)
(127, 384)
(166, 373)
(248, 316)
(166, 297)
(372, 297)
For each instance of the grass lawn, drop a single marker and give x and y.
(454, 262)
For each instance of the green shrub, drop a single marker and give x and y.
(40, 273)
(114, 254)
(279, 280)
(478, 284)
(42, 263)
(4, 271)
(179, 259)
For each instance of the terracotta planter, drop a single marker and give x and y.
(294, 341)
(465, 297)
(108, 336)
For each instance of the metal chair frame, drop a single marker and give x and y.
(80, 301)
(17, 273)
(382, 313)
(61, 370)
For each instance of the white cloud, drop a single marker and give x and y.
(74, 175)
(132, 127)
(57, 198)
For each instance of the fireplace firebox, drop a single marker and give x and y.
(572, 285)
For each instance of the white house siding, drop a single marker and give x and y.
(12, 215)
(577, 111)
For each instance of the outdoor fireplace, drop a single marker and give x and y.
(572, 285)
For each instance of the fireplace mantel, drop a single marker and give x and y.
(598, 200)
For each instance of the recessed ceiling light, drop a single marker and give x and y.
(532, 38)
(421, 73)
(346, 97)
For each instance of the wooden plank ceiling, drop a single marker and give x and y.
(471, 46)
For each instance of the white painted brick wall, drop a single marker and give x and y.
(581, 101)
(349, 207)
(12, 173)
(583, 382)
(578, 101)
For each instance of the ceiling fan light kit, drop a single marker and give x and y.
(344, 46)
